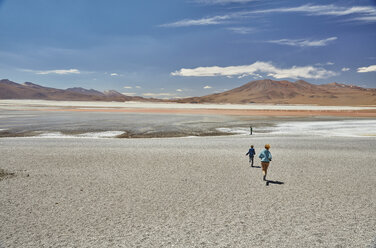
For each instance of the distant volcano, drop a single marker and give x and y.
(285, 92)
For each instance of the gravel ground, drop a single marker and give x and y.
(187, 192)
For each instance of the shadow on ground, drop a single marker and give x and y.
(273, 182)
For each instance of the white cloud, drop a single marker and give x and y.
(222, 1)
(303, 42)
(242, 30)
(256, 76)
(138, 87)
(198, 22)
(365, 13)
(158, 94)
(207, 87)
(257, 67)
(176, 97)
(114, 74)
(357, 13)
(59, 72)
(129, 93)
(323, 64)
(330, 9)
(220, 90)
(128, 87)
(370, 68)
(345, 69)
(366, 18)
(179, 90)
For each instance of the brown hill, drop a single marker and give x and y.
(12, 90)
(90, 92)
(285, 92)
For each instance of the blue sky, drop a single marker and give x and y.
(180, 48)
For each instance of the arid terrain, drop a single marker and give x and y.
(126, 174)
(187, 192)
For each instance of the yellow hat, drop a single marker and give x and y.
(267, 146)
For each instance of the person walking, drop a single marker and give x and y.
(266, 157)
(251, 152)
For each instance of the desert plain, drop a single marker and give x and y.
(186, 191)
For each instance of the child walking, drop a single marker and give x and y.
(251, 152)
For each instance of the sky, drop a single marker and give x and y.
(182, 48)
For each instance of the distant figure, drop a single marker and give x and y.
(250, 130)
(251, 152)
(266, 157)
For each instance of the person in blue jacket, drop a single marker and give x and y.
(251, 152)
(266, 157)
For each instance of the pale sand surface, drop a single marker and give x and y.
(155, 105)
(187, 192)
(186, 108)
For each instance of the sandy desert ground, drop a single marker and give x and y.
(186, 108)
(187, 192)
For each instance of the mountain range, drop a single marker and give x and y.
(12, 90)
(259, 91)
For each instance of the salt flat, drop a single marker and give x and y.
(187, 192)
(14, 104)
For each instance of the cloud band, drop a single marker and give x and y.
(257, 67)
(367, 69)
(303, 42)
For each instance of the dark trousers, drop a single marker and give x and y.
(251, 160)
